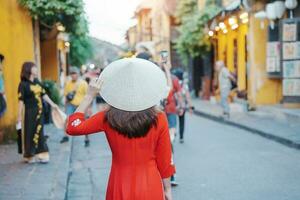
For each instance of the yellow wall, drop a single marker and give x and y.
(17, 46)
(222, 43)
(230, 36)
(49, 60)
(241, 58)
(262, 89)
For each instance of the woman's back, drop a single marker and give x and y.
(138, 164)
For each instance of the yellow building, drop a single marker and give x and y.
(144, 21)
(155, 26)
(240, 41)
(17, 45)
(20, 42)
(54, 55)
(131, 36)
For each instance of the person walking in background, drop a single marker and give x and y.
(225, 78)
(74, 92)
(143, 53)
(30, 95)
(187, 101)
(2, 91)
(173, 105)
(137, 132)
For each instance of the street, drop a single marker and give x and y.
(216, 162)
(234, 63)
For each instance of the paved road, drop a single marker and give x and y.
(216, 162)
(20, 181)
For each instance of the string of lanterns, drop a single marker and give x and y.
(232, 23)
(273, 11)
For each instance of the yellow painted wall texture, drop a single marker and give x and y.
(222, 43)
(241, 57)
(226, 52)
(17, 46)
(49, 60)
(262, 89)
(231, 35)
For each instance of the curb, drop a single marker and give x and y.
(270, 136)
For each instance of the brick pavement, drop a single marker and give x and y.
(20, 181)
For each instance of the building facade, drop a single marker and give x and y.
(249, 42)
(21, 41)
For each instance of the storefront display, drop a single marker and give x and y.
(290, 60)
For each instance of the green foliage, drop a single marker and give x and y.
(186, 8)
(70, 13)
(50, 12)
(80, 51)
(52, 91)
(193, 39)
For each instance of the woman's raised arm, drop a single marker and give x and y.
(78, 125)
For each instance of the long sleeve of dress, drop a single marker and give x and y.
(164, 150)
(78, 125)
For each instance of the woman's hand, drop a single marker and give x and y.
(167, 188)
(168, 194)
(20, 111)
(166, 67)
(54, 106)
(19, 119)
(94, 87)
(50, 102)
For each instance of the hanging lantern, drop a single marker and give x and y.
(232, 21)
(291, 4)
(222, 25)
(271, 11)
(244, 17)
(279, 8)
(271, 14)
(261, 15)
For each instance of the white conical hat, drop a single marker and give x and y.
(133, 84)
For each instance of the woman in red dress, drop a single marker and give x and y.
(136, 130)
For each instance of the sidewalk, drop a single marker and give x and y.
(35, 181)
(268, 122)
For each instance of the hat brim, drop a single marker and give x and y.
(133, 84)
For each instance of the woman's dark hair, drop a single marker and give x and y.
(132, 124)
(26, 70)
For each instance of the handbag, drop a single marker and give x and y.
(70, 96)
(19, 134)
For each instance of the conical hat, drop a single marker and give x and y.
(133, 84)
(58, 118)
